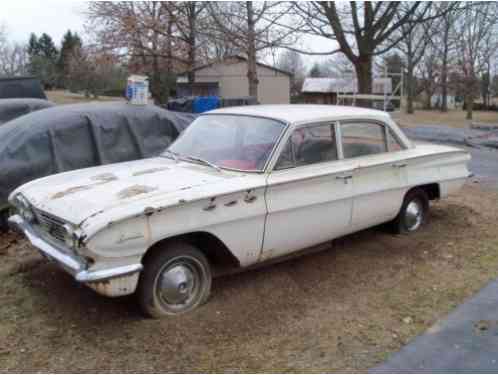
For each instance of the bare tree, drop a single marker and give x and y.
(187, 16)
(363, 29)
(476, 41)
(91, 71)
(141, 31)
(251, 27)
(14, 58)
(292, 62)
(413, 43)
(444, 43)
(429, 71)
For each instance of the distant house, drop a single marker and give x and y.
(228, 78)
(437, 101)
(327, 90)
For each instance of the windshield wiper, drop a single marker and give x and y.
(202, 161)
(172, 153)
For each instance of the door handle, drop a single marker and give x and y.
(250, 198)
(399, 165)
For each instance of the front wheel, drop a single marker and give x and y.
(413, 212)
(175, 280)
(4, 216)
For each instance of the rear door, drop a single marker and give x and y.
(379, 182)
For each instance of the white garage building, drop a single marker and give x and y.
(228, 79)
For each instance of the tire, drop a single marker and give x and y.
(175, 280)
(413, 213)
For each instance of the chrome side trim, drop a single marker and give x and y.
(71, 264)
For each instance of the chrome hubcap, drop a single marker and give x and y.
(177, 284)
(413, 215)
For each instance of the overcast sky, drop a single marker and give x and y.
(55, 17)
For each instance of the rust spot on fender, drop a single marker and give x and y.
(151, 170)
(135, 190)
(104, 177)
(71, 190)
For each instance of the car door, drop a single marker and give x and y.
(309, 192)
(379, 182)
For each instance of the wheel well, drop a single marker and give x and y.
(432, 190)
(218, 254)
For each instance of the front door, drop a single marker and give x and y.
(309, 193)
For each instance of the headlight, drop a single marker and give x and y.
(69, 237)
(24, 208)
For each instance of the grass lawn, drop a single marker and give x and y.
(65, 97)
(453, 118)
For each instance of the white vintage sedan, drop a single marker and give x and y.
(240, 186)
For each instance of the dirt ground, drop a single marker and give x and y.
(453, 118)
(64, 97)
(343, 309)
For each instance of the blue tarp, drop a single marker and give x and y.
(205, 103)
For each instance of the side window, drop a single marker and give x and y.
(360, 139)
(309, 145)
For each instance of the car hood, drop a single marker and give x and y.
(74, 196)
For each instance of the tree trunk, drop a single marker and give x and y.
(363, 68)
(444, 70)
(444, 86)
(191, 44)
(169, 61)
(156, 81)
(469, 105)
(409, 89)
(428, 104)
(252, 73)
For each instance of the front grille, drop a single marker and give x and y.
(53, 226)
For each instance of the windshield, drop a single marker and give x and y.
(228, 141)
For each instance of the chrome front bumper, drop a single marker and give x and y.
(72, 264)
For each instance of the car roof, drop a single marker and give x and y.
(299, 113)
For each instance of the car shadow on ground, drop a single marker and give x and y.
(305, 276)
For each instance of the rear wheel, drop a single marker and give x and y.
(413, 212)
(175, 280)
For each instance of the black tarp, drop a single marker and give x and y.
(185, 104)
(238, 101)
(68, 137)
(13, 108)
(21, 87)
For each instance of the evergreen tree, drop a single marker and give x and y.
(47, 47)
(71, 43)
(33, 47)
(43, 56)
